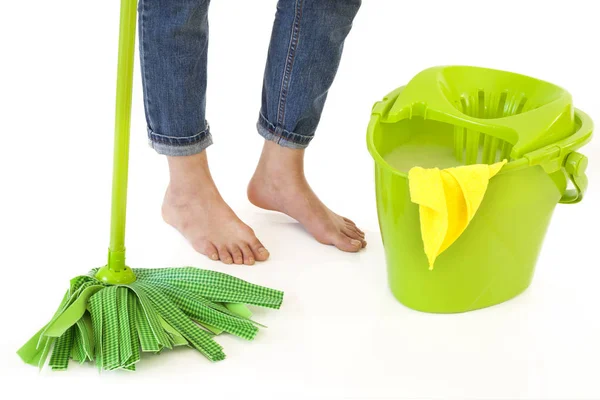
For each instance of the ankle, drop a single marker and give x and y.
(189, 175)
(280, 165)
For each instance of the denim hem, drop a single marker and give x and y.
(281, 136)
(174, 146)
(179, 140)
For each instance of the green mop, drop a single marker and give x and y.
(113, 312)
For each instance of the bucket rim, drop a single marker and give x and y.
(546, 156)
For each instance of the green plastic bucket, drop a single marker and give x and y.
(449, 116)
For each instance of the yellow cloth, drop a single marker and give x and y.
(448, 199)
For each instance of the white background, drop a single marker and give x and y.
(340, 333)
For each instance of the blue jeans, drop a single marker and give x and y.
(304, 54)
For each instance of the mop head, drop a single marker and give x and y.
(163, 308)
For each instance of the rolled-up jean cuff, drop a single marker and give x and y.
(175, 146)
(281, 136)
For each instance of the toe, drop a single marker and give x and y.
(352, 234)
(349, 221)
(248, 254)
(355, 229)
(236, 253)
(346, 243)
(260, 253)
(352, 224)
(224, 255)
(208, 249)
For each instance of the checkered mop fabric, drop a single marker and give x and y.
(163, 308)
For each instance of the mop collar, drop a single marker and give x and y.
(115, 272)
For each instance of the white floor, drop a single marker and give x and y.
(340, 333)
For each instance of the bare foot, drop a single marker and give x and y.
(195, 208)
(279, 184)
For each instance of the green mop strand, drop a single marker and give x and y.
(113, 313)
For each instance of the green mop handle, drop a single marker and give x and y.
(116, 251)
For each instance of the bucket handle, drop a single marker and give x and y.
(575, 165)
